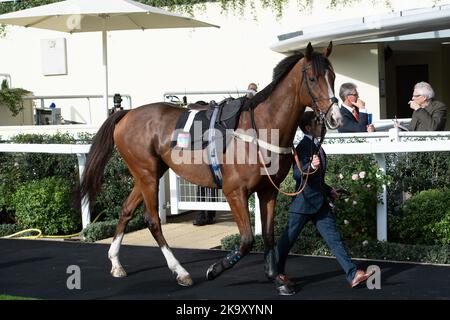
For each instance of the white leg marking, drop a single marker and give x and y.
(172, 262)
(183, 277)
(113, 254)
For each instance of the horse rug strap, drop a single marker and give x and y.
(190, 120)
(263, 144)
(214, 164)
(184, 137)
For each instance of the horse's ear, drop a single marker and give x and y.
(327, 51)
(309, 52)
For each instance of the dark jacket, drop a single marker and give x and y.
(431, 118)
(314, 194)
(349, 123)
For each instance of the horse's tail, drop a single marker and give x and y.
(101, 150)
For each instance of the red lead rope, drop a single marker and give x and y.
(297, 162)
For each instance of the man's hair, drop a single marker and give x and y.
(252, 85)
(346, 89)
(307, 119)
(424, 89)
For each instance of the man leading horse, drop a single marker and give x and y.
(143, 137)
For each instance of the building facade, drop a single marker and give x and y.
(146, 64)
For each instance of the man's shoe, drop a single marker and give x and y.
(211, 219)
(284, 279)
(361, 276)
(285, 287)
(285, 290)
(200, 219)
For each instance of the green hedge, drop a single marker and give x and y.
(7, 229)
(105, 229)
(46, 204)
(415, 172)
(17, 169)
(424, 218)
(117, 185)
(359, 175)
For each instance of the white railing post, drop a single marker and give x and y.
(393, 135)
(258, 225)
(85, 212)
(382, 207)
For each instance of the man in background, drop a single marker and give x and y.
(353, 110)
(429, 114)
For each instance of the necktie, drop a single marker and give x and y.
(322, 160)
(321, 155)
(356, 115)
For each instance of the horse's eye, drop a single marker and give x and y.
(312, 79)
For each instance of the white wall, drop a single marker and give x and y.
(362, 70)
(147, 63)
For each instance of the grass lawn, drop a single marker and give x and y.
(7, 297)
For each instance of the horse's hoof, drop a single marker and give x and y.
(214, 271)
(118, 272)
(185, 281)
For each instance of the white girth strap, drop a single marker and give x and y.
(190, 120)
(262, 144)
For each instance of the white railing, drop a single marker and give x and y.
(8, 132)
(377, 144)
(86, 97)
(381, 143)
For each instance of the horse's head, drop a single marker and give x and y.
(318, 83)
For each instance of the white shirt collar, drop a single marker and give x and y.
(347, 107)
(351, 108)
(316, 141)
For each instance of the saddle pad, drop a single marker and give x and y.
(230, 109)
(195, 139)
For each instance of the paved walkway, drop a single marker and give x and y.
(41, 269)
(181, 233)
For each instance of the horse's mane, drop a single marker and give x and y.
(319, 64)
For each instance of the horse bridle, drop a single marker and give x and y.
(322, 115)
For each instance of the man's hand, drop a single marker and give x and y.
(414, 105)
(370, 128)
(360, 104)
(315, 162)
(334, 194)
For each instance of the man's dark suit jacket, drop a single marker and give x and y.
(313, 196)
(349, 123)
(431, 118)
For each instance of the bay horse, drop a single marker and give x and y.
(143, 138)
